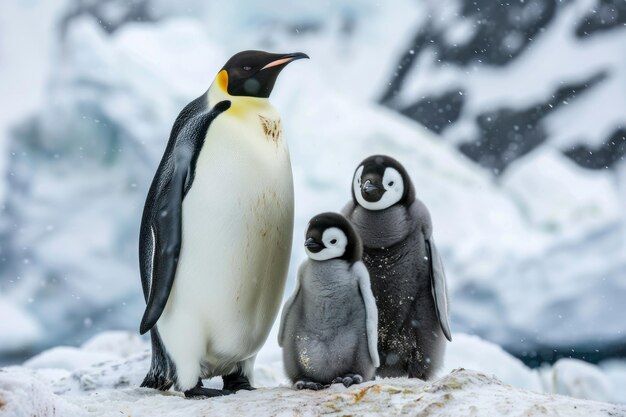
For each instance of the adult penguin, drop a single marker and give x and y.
(216, 232)
(406, 273)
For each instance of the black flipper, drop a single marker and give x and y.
(438, 286)
(161, 226)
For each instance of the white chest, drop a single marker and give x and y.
(237, 232)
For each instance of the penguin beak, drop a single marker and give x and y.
(369, 187)
(312, 245)
(285, 59)
(371, 192)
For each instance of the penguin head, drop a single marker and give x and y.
(380, 182)
(332, 236)
(253, 73)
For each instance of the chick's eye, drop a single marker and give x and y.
(391, 183)
(247, 68)
(333, 241)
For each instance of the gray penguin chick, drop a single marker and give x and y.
(328, 329)
(406, 272)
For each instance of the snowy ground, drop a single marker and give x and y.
(101, 379)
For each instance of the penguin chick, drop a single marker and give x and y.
(328, 328)
(408, 280)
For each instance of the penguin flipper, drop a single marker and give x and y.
(288, 305)
(371, 311)
(439, 287)
(163, 211)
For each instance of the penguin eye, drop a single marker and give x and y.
(333, 241)
(247, 68)
(391, 183)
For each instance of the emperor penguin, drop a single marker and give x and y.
(407, 275)
(328, 328)
(216, 232)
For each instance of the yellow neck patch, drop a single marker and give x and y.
(222, 81)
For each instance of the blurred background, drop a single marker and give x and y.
(510, 116)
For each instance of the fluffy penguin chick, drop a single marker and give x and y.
(328, 329)
(216, 232)
(407, 275)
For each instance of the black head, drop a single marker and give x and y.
(379, 182)
(253, 73)
(332, 236)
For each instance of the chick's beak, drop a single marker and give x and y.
(312, 245)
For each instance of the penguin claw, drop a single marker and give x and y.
(351, 380)
(315, 386)
(237, 382)
(198, 392)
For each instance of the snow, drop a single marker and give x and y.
(119, 343)
(557, 197)
(23, 394)
(472, 352)
(579, 379)
(615, 370)
(68, 358)
(18, 329)
(111, 388)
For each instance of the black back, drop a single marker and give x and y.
(162, 214)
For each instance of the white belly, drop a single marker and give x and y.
(237, 232)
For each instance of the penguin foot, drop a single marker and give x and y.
(315, 386)
(348, 380)
(237, 382)
(200, 391)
